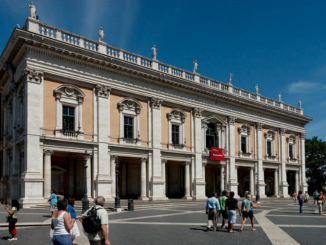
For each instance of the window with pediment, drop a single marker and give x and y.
(291, 148)
(244, 139)
(270, 144)
(129, 110)
(176, 118)
(69, 102)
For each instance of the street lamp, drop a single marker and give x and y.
(85, 201)
(257, 195)
(117, 206)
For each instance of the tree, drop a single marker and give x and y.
(315, 163)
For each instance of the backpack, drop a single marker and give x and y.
(92, 223)
(245, 208)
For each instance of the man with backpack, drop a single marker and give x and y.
(95, 222)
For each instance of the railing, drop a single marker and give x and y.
(130, 140)
(68, 133)
(272, 158)
(89, 44)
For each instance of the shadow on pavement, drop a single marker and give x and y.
(5, 237)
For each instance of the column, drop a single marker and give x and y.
(187, 181)
(276, 183)
(124, 179)
(47, 173)
(303, 163)
(199, 142)
(104, 175)
(297, 181)
(233, 185)
(157, 192)
(164, 175)
(226, 175)
(143, 179)
(261, 177)
(87, 162)
(252, 182)
(284, 183)
(222, 178)
(113, 160)
(71, 176)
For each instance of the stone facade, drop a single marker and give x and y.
(63, 94)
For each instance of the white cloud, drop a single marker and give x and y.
(304, 87)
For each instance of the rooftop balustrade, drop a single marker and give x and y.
(101, 47)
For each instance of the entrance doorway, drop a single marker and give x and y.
(175, 180)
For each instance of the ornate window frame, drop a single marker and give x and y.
(72, 96)
(244, 131)
(270, 137)
(292, 139)
(177, 117)
(129, 107)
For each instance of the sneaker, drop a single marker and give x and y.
(223, 227)
(214, 229)
(12, 239)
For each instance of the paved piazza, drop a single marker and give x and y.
(184, 222)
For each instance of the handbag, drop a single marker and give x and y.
(11, 219)
(245, 208)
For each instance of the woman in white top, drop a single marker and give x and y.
(62, 224)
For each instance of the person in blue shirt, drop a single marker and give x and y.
(212, 208)
(53, 201)
(247, 211)
(74, 232)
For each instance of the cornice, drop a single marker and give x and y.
(56, 49)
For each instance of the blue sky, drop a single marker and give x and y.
(280, 44)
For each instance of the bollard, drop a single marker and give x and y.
(130, 205)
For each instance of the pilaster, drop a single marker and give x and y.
(284, 183)
(303, 164)
(232, 182)
(261, 177)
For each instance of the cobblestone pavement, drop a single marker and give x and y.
(184, 222)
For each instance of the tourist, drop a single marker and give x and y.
(294, 197)
(301, 198)
(232, 205)
(60, 196)
(62, 224)
(247, 211)
(212, 207)
(53, 201)
(74, 232)
(12, 219)
(100, 237)
(315, 196)
(222, 200)
(320, 201)
(306, 198)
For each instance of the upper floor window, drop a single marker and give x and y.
(175, 134)
(129, 127)
(244, 134)
(270, 144)
(291, 147)
(68, 118)
(244, 144)
(129, 109)
(211, 137)
(291, 155)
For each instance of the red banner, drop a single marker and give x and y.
(217, 154)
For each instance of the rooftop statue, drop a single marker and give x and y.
(32, 9)
(194, 70)
(230, 78)
(299, 103)
(257, 89)
(279, 96)
(101, 35)
(154, 49)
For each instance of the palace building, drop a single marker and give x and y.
(75, 110)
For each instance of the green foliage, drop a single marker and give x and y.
(315, 163)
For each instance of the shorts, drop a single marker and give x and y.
(249, 214)
(62, 240)
(294, 198)
(232, 216)
(224, 214)
(53, 208)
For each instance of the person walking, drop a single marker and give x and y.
(247, 211)
(74, 232)
(320, 202)
(301, 198)
(222, 200)
(306, 198)
(315, 196)
(53, 201)
(212, 208)
(232, 205)
(294, 197)
(100, 237)
(12, 219)
(62, 224)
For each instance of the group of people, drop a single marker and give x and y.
(227, 206)
(303, 198)
(64, 225)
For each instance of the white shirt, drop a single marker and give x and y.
(103, 215)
